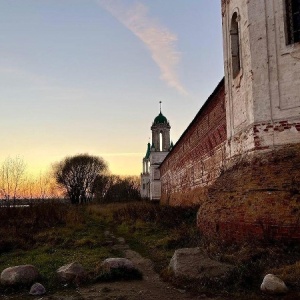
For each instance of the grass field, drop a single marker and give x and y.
(51, 235)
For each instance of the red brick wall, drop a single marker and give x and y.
(259, 198)
(195, 160)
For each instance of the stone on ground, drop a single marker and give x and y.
(192, 263)
(121, 240)
(116, 262)
(73, 272)
(19, 275)
(37, 289)
(273, 285)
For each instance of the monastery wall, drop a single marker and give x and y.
(257, 199)
(196, 159)
(239, 158)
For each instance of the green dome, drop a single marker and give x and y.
(160, 119)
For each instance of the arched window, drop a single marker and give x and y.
(292, 21)
(161, 141)
(235, 45)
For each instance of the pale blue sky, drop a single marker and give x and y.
(81, 76)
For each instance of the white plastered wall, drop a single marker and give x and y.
(156, 158)
(266, 92)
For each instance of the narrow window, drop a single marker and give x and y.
(161, 141)
(235, 45)
(293, 21)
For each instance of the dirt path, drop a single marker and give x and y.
(150, 288)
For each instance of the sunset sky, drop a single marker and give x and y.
(86, 76)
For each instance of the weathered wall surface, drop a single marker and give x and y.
(258, 199)
(239, 96)
(195, 160)
(267, 88)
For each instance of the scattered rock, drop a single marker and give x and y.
(116, 263)
(121, 240)
(273, 285)
(37, 289)
(73, 272)
(17, 275)
(114, 269)
(192, 263)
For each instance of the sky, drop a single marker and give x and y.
(86, 76)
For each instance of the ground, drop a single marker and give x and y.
(151, 287)
(56, 235)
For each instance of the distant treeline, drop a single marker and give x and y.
(30, 202)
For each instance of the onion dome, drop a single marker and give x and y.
(160, 119)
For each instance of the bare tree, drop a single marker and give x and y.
(77, 175)
(102, 184)
(28, 188)
(42, 187)
(44, 182)
(48, 187)
(12, 174)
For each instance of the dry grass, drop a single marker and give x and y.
(163, 216)
(153, 230)
(290, 274)
(19, 225)
(49, 236)
(54, 235)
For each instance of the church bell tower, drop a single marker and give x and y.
(154, 157)
(160, 133)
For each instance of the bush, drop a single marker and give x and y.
(165, 216)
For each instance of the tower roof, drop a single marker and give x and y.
(160, 119)
(148, 151)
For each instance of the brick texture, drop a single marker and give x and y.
(195, 160)
(258, 198)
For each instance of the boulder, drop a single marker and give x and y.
(273, 285)
(19, 275)
(112, 269)
(73, 272)
(37, 289)
(116, 263)
(192, 263)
